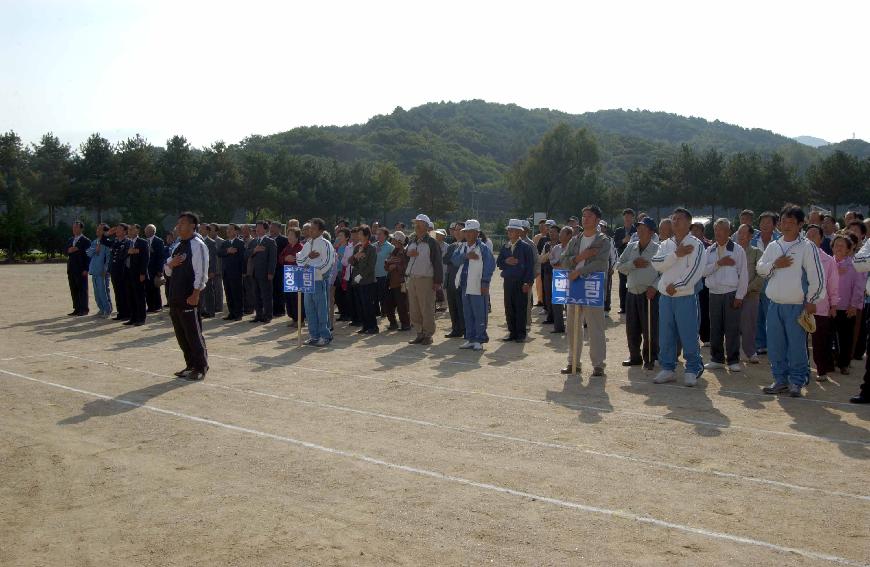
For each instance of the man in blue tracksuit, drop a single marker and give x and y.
(761, 239)
(476, 267)
(679, 263)
(100, 253)
(795, 282)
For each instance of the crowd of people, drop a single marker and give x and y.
(753, 290)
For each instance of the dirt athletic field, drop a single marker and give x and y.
(375, 452)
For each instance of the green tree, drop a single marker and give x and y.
(50, 161)
(93, 170)
(559, 174)
(836, 180)
(17, 225)
(431, 190)
(179, 168)
(220, 184)
(138, 180)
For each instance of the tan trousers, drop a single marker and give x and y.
(594, 319)
(421, 303)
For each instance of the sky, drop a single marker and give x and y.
(224, 70)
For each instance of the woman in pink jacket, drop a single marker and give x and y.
(822, 354)
(851, 301)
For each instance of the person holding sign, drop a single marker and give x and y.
(588, 252)
(642, 298)
(287, 257)
(317, 253)
(517, 265)
(679, 261)
(476, 265)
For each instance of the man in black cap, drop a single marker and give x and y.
(187, 269)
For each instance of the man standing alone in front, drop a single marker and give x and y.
(187, 270)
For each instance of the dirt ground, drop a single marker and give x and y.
(376, 452)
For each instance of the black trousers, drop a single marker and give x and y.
(454, 305)
(383, 291)
(642, 338)
(823, 355)
(623, 290)
(344, 302)
(366, 299)
(234, 291)
(724, 328)
(278, 292)
(292, 304)
(153, 299)
(136, 297)
(609, 291)
(188, 332)
(122, 301)
(515, 306)
(844, 330)
(704, 306)
(208, 298)
(78, 289)
(249, 298)
(861, 345)
(397, 302)
(263, 290)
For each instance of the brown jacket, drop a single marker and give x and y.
(395, 265)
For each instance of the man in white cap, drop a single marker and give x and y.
(424, 277)
(476, 265)
(517, 267)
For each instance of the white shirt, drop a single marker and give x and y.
(475, 271)
(323, 263)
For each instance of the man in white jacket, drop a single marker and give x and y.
(317, 253)
(727, 278)
(795, 282)
(679, 262)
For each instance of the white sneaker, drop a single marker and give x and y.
(664, 377)
(466, 345)
(477, 346)
(714, 366)
(690, 379)
(735, 367)
(822, 378)
(753, 359)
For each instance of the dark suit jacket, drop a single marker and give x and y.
(119, 257)
(280, 242)
(77, 262)
(233, 264)
(139, 262)
(263, 263)
(155, 257)
(212, 254)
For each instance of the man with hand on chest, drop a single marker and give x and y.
(136, 269)
(77, 269)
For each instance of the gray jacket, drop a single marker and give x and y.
(639, 279)
(262, 263)
(598, 263)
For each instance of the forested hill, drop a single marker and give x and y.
(477, 141)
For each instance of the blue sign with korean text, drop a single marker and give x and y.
(298, 278)
(587, 290)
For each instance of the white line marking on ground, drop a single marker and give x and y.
(31, 356)
(454, 479)
(571, 405)
(551, 445)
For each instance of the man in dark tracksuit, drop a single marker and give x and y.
(454, 294)
(517, 267)
(156, 254)
(119, 271)
(232, 255)
(263, 256)
(77, 269)
(137, 272)
(278, 283)
(187, 271)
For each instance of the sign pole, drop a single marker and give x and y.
(299, 318)
(576, 337)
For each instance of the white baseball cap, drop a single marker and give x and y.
(472, 224)
(423, 218)
(515, 223)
